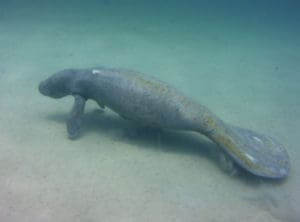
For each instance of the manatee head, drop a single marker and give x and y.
(57, 85)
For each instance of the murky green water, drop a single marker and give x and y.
(239, 58)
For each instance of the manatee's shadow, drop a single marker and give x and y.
(117, 128)
(188, 143)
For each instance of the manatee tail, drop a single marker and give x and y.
(259, 154)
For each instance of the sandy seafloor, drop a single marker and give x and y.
(242, 60)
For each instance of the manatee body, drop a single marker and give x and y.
(151, 102)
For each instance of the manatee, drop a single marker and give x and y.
(150, 102)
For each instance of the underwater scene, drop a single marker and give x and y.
(161, 110)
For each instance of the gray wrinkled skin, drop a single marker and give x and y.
(151, 102)
(130, 94)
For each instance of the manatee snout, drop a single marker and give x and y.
(52, 89)
(43, 88)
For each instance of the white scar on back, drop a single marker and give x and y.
(95, 71)
(257, 139)
(250, 157)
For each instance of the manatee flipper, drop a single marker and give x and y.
(260, 154)
(75, 117)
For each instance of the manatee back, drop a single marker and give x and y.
(144, 99)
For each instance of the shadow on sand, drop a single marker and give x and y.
(113, 126)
